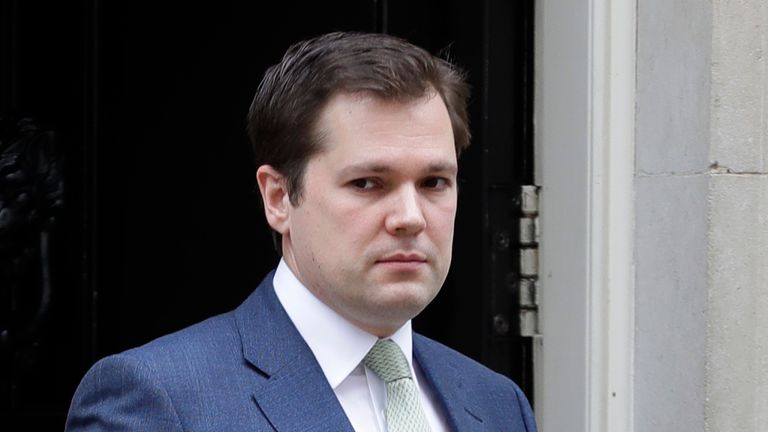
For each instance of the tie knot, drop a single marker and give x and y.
(387, 361)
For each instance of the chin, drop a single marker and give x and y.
(407, 299)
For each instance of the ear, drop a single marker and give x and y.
(274, 193)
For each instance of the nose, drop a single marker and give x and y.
(405, 217)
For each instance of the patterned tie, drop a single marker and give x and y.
(404, 413)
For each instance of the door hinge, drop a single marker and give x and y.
(529, 261)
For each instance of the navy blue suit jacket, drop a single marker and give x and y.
(250, 370)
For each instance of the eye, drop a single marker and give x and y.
(363, 184)
(435, 183)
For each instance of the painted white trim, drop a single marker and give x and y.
(561, 144)
(612, 215)
(584, 119)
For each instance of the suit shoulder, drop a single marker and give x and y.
(181, 378)
(210, 334)
(467, 365)
(120, 392)
(189, 354)
(500, 397)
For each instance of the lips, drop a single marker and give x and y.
(404, 257)
(403, 262)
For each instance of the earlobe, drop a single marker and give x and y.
(274, 193)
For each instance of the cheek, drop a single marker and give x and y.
(442, 222)
(357, 221)
(339, 226)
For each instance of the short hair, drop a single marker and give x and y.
(288, 102)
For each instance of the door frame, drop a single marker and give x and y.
(584, 114)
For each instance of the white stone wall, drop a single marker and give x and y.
(737, 342)
(701, 335)
(737, 334)
(671, 195)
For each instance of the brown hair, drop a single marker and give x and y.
(288, 102)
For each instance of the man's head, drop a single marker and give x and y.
(283, 116)
(365, 204)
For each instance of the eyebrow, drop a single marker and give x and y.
(380, 168)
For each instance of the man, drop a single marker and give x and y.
(356, 137)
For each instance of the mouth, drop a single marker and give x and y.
(403, 261)
(404, 257)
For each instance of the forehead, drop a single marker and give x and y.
(364, 125)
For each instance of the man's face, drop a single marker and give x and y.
(371, 236)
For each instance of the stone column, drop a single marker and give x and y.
(701, 335)
(737, 324)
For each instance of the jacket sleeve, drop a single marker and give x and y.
(121, 393)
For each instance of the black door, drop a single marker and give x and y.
(135, 214)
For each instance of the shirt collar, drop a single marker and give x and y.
(338, 345)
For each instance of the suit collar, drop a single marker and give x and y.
(447, 382)
(338, 345)
(295, 394)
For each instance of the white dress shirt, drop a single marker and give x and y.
(340, 348)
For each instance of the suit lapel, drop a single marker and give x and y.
(448, 385)
(298, 398)
(295, 396)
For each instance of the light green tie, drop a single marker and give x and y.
(404, 413)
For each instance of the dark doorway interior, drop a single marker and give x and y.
(158, 226)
